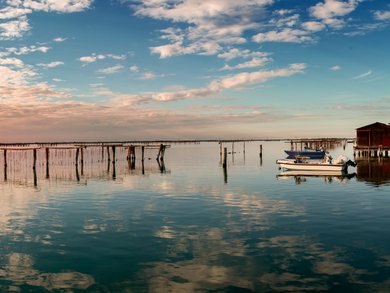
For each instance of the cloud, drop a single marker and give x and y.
(335, 68)
(16, 14)
(9, 76)
(111, 70)
(363, 75)
(14, 29)
(148, 75)
(134, 68)
(235, 53)
(329, 10)
(13, 12)
(51, 64)
(26, 50)
(313, 26)
(210, 24)
(255, 62)
(231, 82)
(63, 6)
(12, 61)
(59, 40)
(286, 35)
(94, 57)
(382, 15)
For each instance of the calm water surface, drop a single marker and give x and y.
(189, 227)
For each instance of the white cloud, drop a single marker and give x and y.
(363, 75)
(313, 26)
(27, 50)
(13, 12)
(382, 15)
(235, 53)
(254, 63)
(16, 13)
(64, 6)
(287, 35)
(148, 75)
(329, 10)
(335, 68)
(9, 76)
(111, 70)
(94, 57)
(134, 69)
(57, 79)
(12, 61)
(14, 29)
(59, 40)
(210, 24)
(51, 64)
(231, 82)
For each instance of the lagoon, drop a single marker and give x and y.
(188, 226)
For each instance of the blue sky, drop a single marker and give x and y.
(192, 69)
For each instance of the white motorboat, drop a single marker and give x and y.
(327, 164)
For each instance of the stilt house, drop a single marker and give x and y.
(373, 139)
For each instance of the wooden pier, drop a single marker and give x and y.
(36, 155)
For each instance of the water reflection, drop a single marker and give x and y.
(327, 176)
(190, 232)
(374, 171)
(19, 269)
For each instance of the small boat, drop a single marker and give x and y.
(327, 164)
(307, 152)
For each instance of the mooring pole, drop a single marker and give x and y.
(142, 153)
(77, 156)
(113, 154)
(5, 158)
(34, 158)
(224, 157)
(47, 162)
(261, 151)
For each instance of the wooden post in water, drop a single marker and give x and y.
(34, 158)
(161, 152)
(5, 165)
(108, 153)
(224, 165)
(113, 154)
(82, 155)
(128, 153)
(77, 157)
(220, 149)
(261, 151)
(5, 158)
(47, 162)
(142, 153)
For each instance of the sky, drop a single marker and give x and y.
(100, 70)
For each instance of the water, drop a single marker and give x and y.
(189, 227)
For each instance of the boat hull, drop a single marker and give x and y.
(310, 154)
(311, 166)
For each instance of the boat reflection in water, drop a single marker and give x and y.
(301, 176)
(374, 171)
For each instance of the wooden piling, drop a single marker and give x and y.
(77, 157)
(47, 162)
(261, 151)
(34, 158)
(224, 165)
(142, 153)
(113, 154)
(5, 158)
